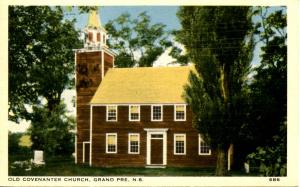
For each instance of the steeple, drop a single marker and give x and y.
(95, 33)
(93, 20)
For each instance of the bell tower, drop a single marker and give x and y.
(92, 62)
(95, 34)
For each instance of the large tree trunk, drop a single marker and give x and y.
(221, 169)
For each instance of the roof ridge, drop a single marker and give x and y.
(161, 67)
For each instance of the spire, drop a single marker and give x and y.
(95, 33)
(94, 21)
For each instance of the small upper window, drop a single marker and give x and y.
(90, 36)
(111, 113)
(98, 37)
(180, 112)
(134, 113)
(204, 148)
(156, 113)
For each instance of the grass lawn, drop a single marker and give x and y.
(68, 168)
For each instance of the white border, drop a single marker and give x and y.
(162, 113)
(184, 112)
(106, 145)
(129, 152)
(174, 143)
(102, 65)
(91, 133)
(76, 130)
(129, 113)
(293, 102)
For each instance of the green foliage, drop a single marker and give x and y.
(136, 41)
(272, 160)
(13, 142)
(50, 131)
(41, 63)
(86, 9)
(14, 147)
(218, 41)
(269, 94)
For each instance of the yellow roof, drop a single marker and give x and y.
(93, 20)
(142, 85)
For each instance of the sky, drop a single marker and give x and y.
(158, 14)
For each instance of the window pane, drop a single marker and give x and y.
(134, 138)
(180, 112)
(134, 109)
(134, 143)
(134, 112)
(111, 143)
(179, 138)
(156, 113)
(156, 136)
(180, 108)
(111, 139)
(111, 108)
(134, 146)
(204, 148)
(179, 144)
(134, 116)
(112, 113)
(111, 148)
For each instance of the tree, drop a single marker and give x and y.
(15, 148)
(218, 41)
(51, 130)
(41, 63)
(136, 41)
(269, 93)
(13, 142)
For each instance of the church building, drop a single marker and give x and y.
(132, 117)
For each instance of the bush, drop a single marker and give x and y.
(272, 160)
(50, 131)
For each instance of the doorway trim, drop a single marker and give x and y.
(150, 132)
(83, 150)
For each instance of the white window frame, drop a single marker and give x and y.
(129, 151)
(162, 113)
(106, 143)
(199, 146)
(129, 113)
(184, 144)
(107, 113)
(175, 119)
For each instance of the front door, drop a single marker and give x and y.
(156, 150)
